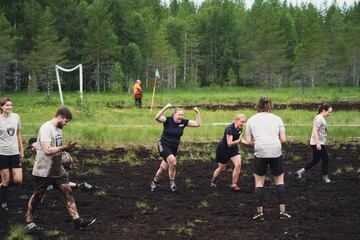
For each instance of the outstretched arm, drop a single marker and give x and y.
(159, 116)
(197, 121)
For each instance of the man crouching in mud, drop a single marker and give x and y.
(48, 169)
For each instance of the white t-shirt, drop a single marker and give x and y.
(44, 165)
(265, 130)
(9, 126)
(320, 123)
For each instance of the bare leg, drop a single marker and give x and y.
(33, 202)
(163, 167)
(237, 168)
(17, 175)
(218, 171)
(172, 167)
(65, 189)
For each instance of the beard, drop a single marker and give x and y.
(60, 125)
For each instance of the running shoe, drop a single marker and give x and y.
(84, 186)
(81, 223)
(326, 179)
(234, 188)
(31, 228)
(173, 187)
(259, 216)
(299, 174)
(212, 185)
(153, 186)
(4, 206)
(284, 215)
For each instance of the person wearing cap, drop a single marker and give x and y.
(137, 93)
(266, 132)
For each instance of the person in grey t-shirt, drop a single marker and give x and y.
(266, 132)
(48, 169)
(318, 143)
(11, 149)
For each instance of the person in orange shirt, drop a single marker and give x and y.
(137, 93)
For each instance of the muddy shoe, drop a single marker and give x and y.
(4, 206)
(284, 215)
(326, 179)
(234, 188)
(212, 185)
(154, 185)
(32, 228)
(173, 187)
(299, 174)
(81, 223)
(259, 216)
(84, 186)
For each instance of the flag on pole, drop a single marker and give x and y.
(157, 75)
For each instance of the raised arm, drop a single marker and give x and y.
(197, 121)
(159, 116)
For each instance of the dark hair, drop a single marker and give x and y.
(3, 101)
(264, 104)
(64, 112)
(324, 106)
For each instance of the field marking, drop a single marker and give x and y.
(205, 124)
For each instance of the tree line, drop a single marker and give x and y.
(218, 43)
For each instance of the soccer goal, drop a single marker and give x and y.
(57, 68)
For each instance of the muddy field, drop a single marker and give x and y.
(344, 106)
(126, 209)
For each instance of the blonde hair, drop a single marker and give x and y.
(175, 110)
(238, 116)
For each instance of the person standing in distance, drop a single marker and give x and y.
(170, 140)
(266, 132)
(11, 149)
(318, 143)
(137, 93)
(227, 149)
(48, 169)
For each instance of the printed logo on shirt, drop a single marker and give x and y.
(11, 131)
(58, 141)
(181, 125)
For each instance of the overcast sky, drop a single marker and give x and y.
(317, 3)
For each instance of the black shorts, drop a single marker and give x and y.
(44, 182)
(166, 151)
(223, 155)
(261, 164)
(7, 162)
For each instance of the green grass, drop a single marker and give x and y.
(99, 123)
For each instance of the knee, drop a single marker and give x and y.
(222, 169)
(172, 161)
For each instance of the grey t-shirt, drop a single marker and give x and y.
(265, 129)
(320, 123)
(48, 165)
(8, 134)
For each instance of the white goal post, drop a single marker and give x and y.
(57, 67)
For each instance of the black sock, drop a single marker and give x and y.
(3, 193)
(280, 190)
(259, 196)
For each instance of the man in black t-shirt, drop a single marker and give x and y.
(170, 140)
(227, 149)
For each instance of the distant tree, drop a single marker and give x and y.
(6, 50)
(131, 60)
(117, 78)
(100, 42)
(48, 51)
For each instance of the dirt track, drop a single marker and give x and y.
(344, 106)
(126, 209)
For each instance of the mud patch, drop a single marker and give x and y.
(126, 209)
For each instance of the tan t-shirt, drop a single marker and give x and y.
(48, 165)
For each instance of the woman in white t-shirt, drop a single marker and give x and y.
(318, 143)
(11, 149)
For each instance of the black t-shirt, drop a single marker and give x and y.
(173, 131)
(232, 131)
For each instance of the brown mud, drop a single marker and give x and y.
(125, 207)
(343, 106)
